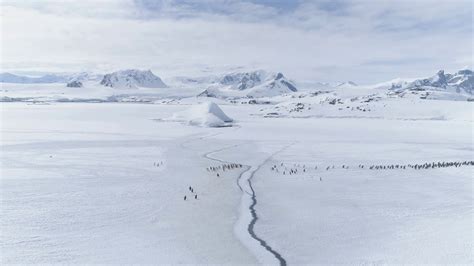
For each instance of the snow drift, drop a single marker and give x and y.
(206, 114)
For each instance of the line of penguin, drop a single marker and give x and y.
(430, 165)
(298, 168)
(223, 168)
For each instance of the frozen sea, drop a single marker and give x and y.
(105, 183)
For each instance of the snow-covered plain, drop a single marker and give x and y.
(105, 182)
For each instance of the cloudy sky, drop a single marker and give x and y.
(361, 40)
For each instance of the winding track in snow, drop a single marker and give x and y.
(253, 197)
(247, 167)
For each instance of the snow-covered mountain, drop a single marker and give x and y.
(50, 78)
(266, 86)
(460, 82)
(132, 79)
(248, 80)
(257, 83)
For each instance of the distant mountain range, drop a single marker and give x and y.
(257, 83)
(50, 78)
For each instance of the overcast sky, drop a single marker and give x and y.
(361, 40)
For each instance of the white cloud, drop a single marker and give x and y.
(360, 40)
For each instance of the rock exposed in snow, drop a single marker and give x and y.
(132, 79)
(464, 79)
(242, 81)
(206, 114)
(461, 81)
(248, 80)
(74, 84)
(83, 79)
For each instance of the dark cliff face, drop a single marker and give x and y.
(242, 81)
(74, 84)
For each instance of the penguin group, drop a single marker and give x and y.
(224, 167)
(430, 165)
(194, 194)
(300, 169)
(291, 171)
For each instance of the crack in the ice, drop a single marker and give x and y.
(251, 226)
(253, 196)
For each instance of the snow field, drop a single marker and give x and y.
(80, 184)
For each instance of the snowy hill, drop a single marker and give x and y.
(50, 78)
(460, 82)
(250, 84)
(131, 79)
(206, 114)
